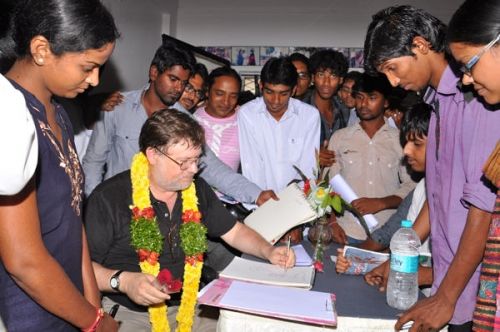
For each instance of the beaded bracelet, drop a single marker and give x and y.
(97, 321)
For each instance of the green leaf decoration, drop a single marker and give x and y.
(193, 238)
(146, 234)
(337, 203)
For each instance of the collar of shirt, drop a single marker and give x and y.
(357, 127)
(448, 85)
(136, 99)
(292, 110)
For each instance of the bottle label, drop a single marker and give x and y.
(404, 263)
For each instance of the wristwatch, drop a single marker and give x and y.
(114, 281)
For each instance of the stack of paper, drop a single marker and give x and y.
(274, 301)
(266, 273)
(302, 258)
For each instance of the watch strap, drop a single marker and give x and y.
(115, 276)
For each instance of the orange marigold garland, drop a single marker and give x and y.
(148, 242)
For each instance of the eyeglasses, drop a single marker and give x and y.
(190, 89)
(184, 165)
(325, 74)
(467, 68)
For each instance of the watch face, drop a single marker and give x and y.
(114, 282)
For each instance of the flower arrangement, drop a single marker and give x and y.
(324, 201)
(148, 242)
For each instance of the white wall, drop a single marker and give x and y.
(141, 23)
(339, 23)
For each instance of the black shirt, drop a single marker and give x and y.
(107, 222)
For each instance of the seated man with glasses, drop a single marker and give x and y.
(171, 144)
(194, 91)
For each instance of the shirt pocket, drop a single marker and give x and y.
(389, 169)
(294, 149)
(127, 137)
(351, 160)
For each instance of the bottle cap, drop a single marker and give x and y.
(406, 223)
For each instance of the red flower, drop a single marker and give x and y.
(153, 258)
(143, 254)
(190, 215)
(166, 279)
(148, 212)
(307, 187)
(192, 260)
(174, 286)
(136, 213)
(318, 266)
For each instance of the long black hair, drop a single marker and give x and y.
(68, 25)
(475, 23)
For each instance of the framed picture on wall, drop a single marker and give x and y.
(209, 59)
(307, 51)
(220, 51)
(356, 58)
(245, 55)
(344, 50)
(267, 52)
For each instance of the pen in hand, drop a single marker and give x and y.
(113, 310)
(287, 250)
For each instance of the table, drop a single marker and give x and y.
(360, 307)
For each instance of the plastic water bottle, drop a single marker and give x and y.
(402, 287)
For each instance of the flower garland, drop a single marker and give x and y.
(148, 242)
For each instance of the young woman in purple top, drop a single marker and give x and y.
(474, 41)
(46, 277)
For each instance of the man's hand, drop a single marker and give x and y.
(326, 157)
(368, 205)
(139, 288)
(338, 233)
(282, 256)
(113, 99)
(379, 276)
(343, 263)
(266, 195)
(429, 314)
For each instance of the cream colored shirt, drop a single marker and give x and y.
(372, 167)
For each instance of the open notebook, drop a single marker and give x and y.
(274, 218)
(273, 301)
(266, 273)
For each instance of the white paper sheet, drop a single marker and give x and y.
(302, 258)
(266, 273)
(341, 187)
